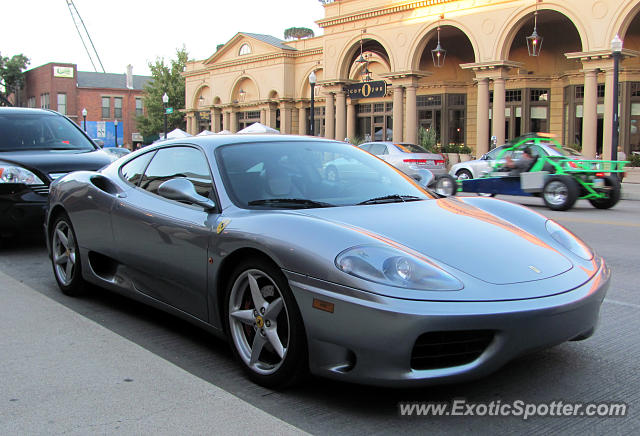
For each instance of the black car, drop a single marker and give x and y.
(36, 147)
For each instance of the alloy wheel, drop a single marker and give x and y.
(259, 322)
(64, 252)
(556, 193)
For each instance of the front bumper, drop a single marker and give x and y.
(21, 209)
(369, 339)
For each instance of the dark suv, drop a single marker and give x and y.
(36, 147)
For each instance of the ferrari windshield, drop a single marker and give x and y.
(301, 174)
(41, 131)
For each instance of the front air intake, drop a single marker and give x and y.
(435, 350)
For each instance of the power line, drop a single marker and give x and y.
(76, 17)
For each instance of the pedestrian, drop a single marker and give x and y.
(622, 156)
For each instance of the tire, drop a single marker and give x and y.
(560, 192)
(331, 173)
(269, 320)
(464, 175)
(614, 194)
(446, 185)
(65, 258)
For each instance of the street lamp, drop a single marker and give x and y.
(534, 42)
(438, 54)
(312, 84)
(84, 118)
(616, 49)
(115, 126)
(165, 101)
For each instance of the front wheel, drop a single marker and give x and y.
(613, 185)
(264, 325)
(560, 192)
(65, 257)
(446, 185)
(464, 175)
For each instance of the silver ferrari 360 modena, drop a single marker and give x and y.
(370, 279)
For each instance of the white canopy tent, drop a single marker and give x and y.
(258, 128)
(205, 133)
(177, 133)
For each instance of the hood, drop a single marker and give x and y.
(46, 162)
(459, 235)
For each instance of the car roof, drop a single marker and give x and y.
(215, 141)
(26, 110)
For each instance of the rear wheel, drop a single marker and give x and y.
(446, 185)
(264, 324)
(560, 192)
(613, 185)
(65, 257)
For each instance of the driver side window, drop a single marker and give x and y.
(173, 162)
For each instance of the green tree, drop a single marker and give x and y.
(165, 78)
(11, 74)
(427, 138)
(298, 33)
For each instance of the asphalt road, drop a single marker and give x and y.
(605, 368)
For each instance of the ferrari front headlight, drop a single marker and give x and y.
(392, 267)
(568, 240)
(15, 174)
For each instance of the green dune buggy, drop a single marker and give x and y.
(558, 174)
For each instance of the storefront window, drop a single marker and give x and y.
(247, 118)
(375, 121)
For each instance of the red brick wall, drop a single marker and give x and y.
(40, 80)
(91, 99)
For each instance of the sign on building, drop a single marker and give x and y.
(372, 89)
(63, 72)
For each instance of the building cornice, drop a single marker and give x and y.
(376, 12)
(254, 60)
(600, 54)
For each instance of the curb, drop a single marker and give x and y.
(630, 191)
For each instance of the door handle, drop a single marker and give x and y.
(121, 195)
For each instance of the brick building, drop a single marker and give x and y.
(107, 97)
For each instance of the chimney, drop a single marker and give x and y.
(130, 76)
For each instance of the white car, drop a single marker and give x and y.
(473, 169)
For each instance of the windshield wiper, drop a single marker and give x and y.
(393, 198)
(300, 202)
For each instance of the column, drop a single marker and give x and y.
(398, 103)
(271, 117)
(351, 119)
(608, 115)
(225, 121)
(329, 121)
(189, 123)
(482, 118)
(590, 114)
(286, 118)
(233, 121)
(215, 120)
(411, 133)
(263, 116)
(341, 116)
(302, 120)
(498, 109)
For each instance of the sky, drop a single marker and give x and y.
(137, 32)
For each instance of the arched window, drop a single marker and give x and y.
(244, 50)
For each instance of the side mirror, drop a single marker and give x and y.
(423, 177)
(181, 189)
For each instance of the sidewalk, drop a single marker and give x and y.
(631, 184)
(62, 373)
